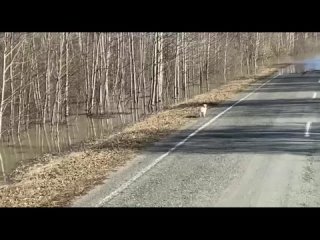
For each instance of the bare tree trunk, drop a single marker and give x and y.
(279, 44)
(155, 73)
(208, 61)
(120, 108)
(215, 53)
(36, 80)
(106, 84)
(133, 87)
(3, 169)
(28, 106)
(118, 66)
(293, 41)
(12, 107)
(241, 54)
(66, 99)
(225, 60)
(184, 66)
(21, 94)
(142, 62)
(4, 80)
(56, 111)
(95, 57)
(256, 54)
(47, 100)
(160, 85)
(87, 73)
(177, 71)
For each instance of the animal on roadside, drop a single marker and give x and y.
(203, 110)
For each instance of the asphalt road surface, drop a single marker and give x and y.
(259, 150)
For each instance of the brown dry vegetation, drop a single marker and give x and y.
(55, 181)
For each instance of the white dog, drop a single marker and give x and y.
(203, 110)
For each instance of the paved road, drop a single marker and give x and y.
(262, 151)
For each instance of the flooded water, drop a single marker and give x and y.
(40, 140)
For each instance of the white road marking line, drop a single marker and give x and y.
(157, 160)
(308, 125)
(314, 95)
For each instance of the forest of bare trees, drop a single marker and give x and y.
(47, 77)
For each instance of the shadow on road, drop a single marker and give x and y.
(248, 139)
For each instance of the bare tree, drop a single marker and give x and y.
(225, 58)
